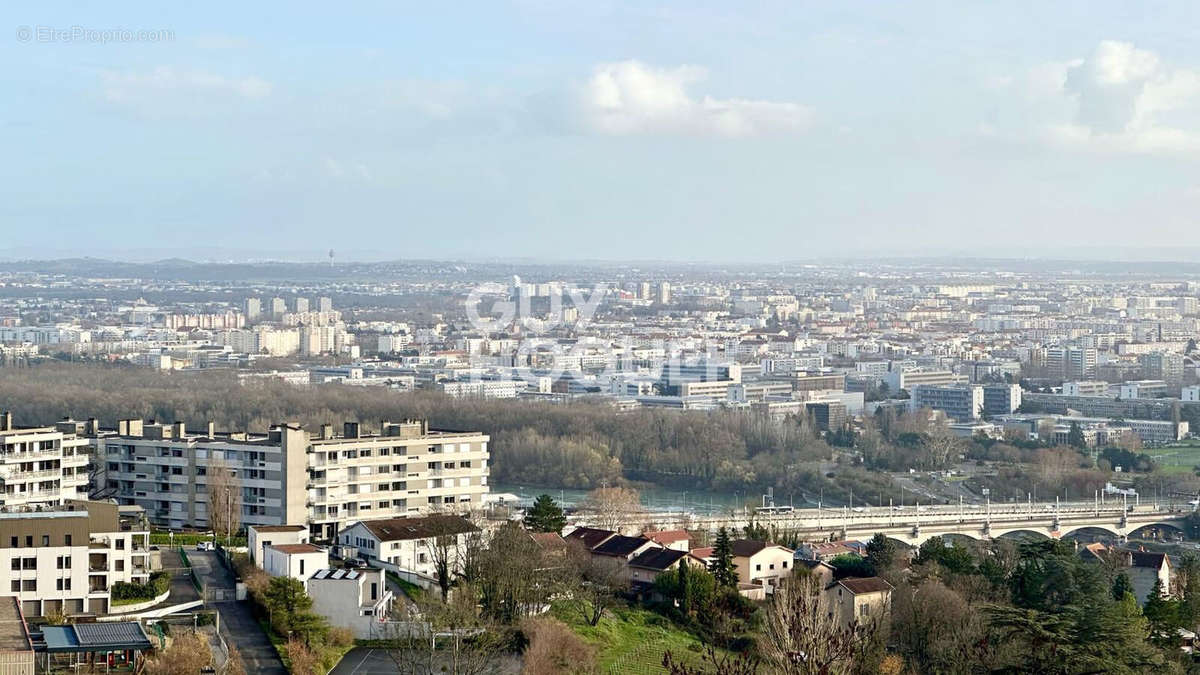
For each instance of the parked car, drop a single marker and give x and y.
(355, 563)
(205, 546)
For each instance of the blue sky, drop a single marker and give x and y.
(705, 131)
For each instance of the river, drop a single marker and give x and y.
(653, 498)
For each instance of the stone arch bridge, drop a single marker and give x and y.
(914, 525)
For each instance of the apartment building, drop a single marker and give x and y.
(963, 403)
(1085, 388)
(1001, 399)
(42, 466)
(289, 476)
(65, 558)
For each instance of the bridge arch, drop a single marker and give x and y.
(1070, 530)
(1159, 526)
(1026, 533)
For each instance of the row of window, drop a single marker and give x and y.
(15, 542)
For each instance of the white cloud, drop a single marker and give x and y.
(168, 90)
(633, 98)
(1119, 99)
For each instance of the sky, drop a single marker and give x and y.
(555, 130)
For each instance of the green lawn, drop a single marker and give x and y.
(631, 640)
(1177, 458)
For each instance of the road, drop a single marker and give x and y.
(238, 626)
(182, 589)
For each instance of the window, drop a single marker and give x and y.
(785, 564)
(16, 563)
(29, 585)
(29, 541)
(120, 566)
(15, 586)
(16, 542)
(302, 567)
(45, 540)
(63, 584)
(771, 566)
(758, 568)
(120, 544)
(29, 563)
(374, 591)
(864, 609)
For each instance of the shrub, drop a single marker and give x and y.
(554, 648)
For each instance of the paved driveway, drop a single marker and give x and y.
(238, 626)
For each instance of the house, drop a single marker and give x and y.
(859, 599)
(589, 537)
(261, 536)
(623, 548)
(1146, 568)
(406, 544)
(703, 553)
(820, 569)
(356, 599)
(763, 563)
(299, 561)
(646, 566)
(679, 540)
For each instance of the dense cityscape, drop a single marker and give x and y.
(727, 449)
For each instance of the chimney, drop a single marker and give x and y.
(326, 431)
(92, 429)
(350, 430)
(212, 429)
(6, 421)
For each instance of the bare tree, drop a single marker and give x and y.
(554, 649)
(224, 499)
(804, 634)
(593, 582)
(450, 638)
(610, 507)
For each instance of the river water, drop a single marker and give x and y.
(653, 498)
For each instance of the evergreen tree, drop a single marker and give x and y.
(1121, 586)
(684, 604)
(545, 515)
(721, 565)
(881, 552)
(1162, 612)
(1075, 437)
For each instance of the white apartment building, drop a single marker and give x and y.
(259, 537)
(64, 559)
(42, 466)
(289, 476)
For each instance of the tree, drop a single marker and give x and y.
(1121, 586)
(803, 633)
(515, 578)
(1162, 612)
(593, 583)
(713, 664)
(721, 565)
(881, 552)
(224, 500)
(1075, 437)
(285, 599)
(545, 515)
(609, 508)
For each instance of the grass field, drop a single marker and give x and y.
(630, 640)
(1177, 458)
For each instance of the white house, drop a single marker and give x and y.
(356, 599)
(261, 536)
(405, 544)
(299, 561)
